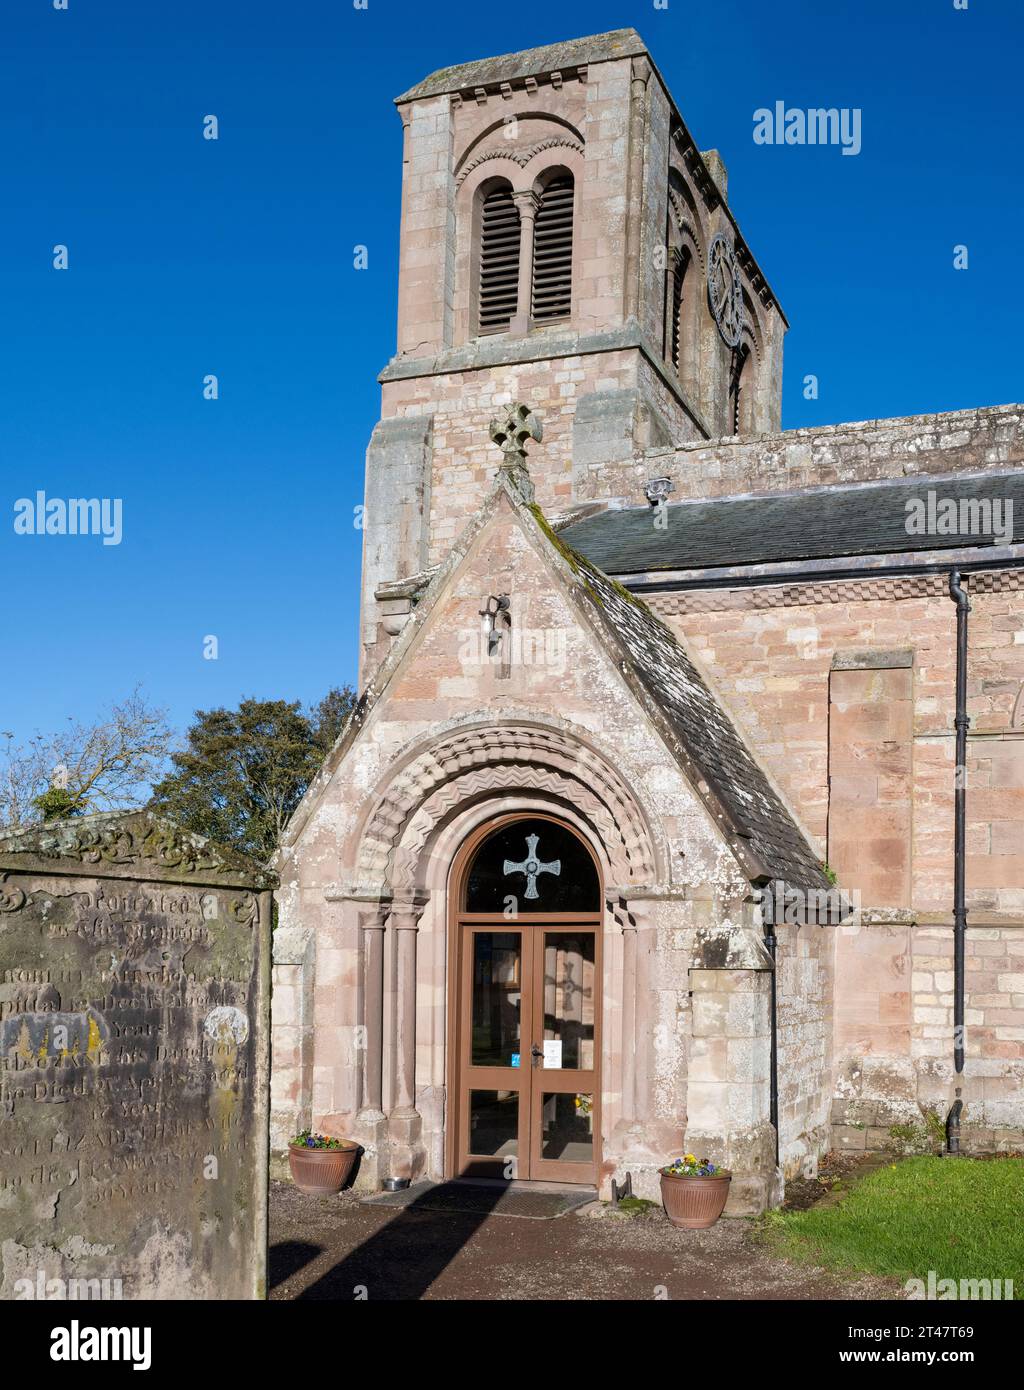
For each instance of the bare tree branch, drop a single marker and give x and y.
(85, 767)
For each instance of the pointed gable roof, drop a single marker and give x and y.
(750, 814)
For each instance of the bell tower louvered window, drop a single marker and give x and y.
(739, 390)
(678, 281)
(552, 252)
(499, 261)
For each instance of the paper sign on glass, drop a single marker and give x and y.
(553, 1052)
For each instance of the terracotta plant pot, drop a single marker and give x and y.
(321, 1172)
(694, 1203)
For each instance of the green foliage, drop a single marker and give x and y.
(102, 764)
(936, 1127)
(636, 1206)
(57, 803)
(242, 772)
(328, 717)
(829, 872)
(929, 1137)
(959, 1217)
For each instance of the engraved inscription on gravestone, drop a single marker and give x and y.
(134, 1011)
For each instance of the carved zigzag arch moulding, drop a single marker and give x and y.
(466, 766)
(408, 863)
(520, 157)
(684, 223)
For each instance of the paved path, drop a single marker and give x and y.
(334, 1247)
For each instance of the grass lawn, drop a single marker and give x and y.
(962, 1218)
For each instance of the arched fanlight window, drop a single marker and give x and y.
(498, 274)
(552, 252)
(539, 863)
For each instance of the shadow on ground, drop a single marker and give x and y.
(404, 1258)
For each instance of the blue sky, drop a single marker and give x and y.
(234, 257)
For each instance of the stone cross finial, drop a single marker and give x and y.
(510, 431)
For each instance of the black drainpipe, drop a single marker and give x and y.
(771, 941)
(961, 723)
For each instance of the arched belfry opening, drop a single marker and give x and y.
(525, 1002)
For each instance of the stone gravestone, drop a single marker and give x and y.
(134, 1062)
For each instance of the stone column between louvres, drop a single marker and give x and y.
(527, 203)
(404, 1124)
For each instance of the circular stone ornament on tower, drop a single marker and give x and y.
(724, 292)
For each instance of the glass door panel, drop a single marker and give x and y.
(568, 1038)
(527, 1047)
(494, 1084)
(567, 1132)
(565, 1011)
(497, 999)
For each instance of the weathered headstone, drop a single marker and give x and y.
(134, 1026)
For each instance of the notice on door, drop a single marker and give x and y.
(553, 1053)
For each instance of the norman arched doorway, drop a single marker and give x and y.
(525, 1003)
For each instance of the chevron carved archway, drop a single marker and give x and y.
(499, 760)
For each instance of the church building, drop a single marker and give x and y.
(658, 825)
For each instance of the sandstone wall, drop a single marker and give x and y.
(854, 682)
(960, 441)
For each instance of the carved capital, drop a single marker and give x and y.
(527, 202)
(405, 916)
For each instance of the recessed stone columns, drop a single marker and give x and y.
(404, 1123)
(371, 1121)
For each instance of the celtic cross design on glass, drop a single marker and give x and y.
(531, 866)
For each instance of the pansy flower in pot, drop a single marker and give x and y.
(694, 1191)
(320, 1164)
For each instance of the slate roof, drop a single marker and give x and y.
(553, 57)
(826, 523)
(717, 761)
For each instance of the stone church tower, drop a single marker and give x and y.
(559, 226)
(641, 835)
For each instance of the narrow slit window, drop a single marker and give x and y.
(552, 252)
(499, 261)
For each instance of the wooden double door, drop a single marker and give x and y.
(527, 1047)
